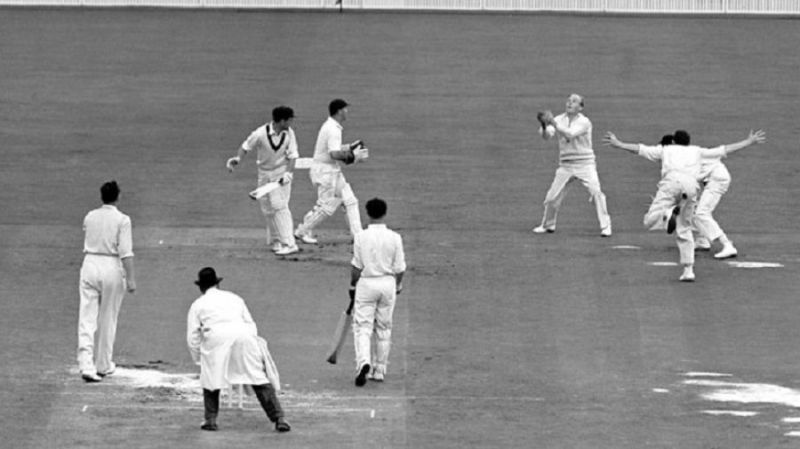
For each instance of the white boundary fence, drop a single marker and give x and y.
(755, 7)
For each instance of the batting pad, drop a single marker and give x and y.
(264, 190)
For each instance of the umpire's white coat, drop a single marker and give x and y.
(223, 339)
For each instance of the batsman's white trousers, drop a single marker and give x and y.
(102, 288)
(374, 306)
(675, 189)
(275, 208)
(333, 190)
(586, 172)
(716, 186)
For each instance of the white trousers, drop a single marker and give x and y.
(374, 306)
(675, 190)
(102, 288)
(704, 220)
(333, 191)
(586, 172)
(275, 208)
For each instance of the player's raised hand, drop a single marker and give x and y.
(610, 139)
(232, 163)
(757, 136)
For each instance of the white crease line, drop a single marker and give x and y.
(744, 414)
(791, 420)
(703, 374)
(663, 264)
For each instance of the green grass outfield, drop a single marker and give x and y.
(502, 338)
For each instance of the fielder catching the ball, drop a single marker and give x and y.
(326, 174)
(576, 160)
(276, 153)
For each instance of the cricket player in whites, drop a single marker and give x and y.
(326, 174)
(676, 198)
(276, 153)
(107, 271)
(576, 160)
(376, 278)
(716, 179)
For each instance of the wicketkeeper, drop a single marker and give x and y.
(333, 190)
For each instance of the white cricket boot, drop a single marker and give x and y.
(688, 274)
(728, 251)
(541, 230)
(702, 244)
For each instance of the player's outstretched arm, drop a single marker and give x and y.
(758, 137)
(234, 161)
(611, 140)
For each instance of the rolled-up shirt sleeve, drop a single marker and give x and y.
(399, 265)
(356, 261)
(125, 248)
(714, 153)
(651, 153)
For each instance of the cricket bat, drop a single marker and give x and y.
(344, 324)
(264, 190)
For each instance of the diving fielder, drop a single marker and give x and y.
(276, 153)
(333, 190)
(576, 160)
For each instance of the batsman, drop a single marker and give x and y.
(276, 147)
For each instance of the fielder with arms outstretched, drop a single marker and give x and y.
(675, 200)
(576, 160)
(326, 174)
(276, 153)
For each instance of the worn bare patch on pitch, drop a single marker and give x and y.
(186, 386)
(742, 264)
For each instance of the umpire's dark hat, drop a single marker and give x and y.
(206, 278)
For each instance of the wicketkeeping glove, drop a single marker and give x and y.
(232, 162)
(360, 154)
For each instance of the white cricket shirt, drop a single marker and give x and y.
(107, 232)
(579, 147)
(329, 139)
(273, 149)
(685, 159)
(378, 251)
